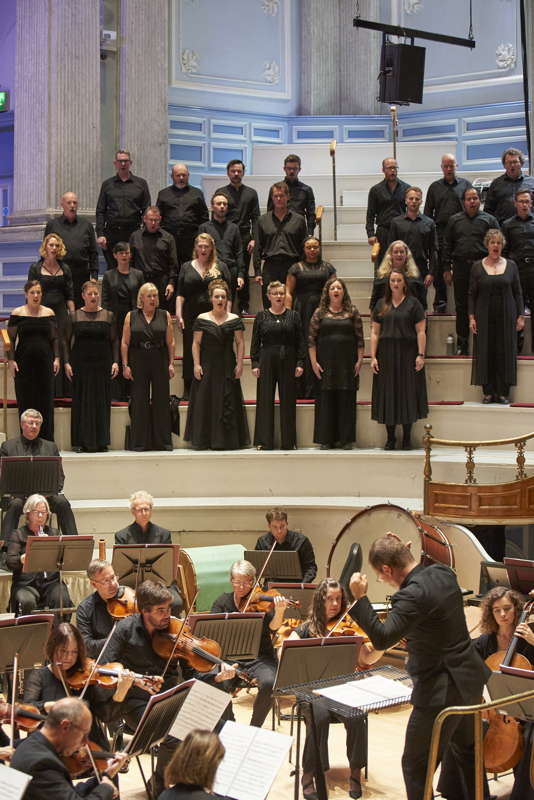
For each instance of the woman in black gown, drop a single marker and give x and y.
(148, 361)
(55, 278)
(33, 334)
(398, 342)
(91, 362)
(495, 307)
(120, 287)
(398, 256)
(335, 346)
(191, 771)
(304, 283)
(277, 355)
(216, 417)
(192, 296)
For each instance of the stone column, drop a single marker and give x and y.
(144, 81)
(57, 114)
(359, 60)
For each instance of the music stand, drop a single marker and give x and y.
(283, 564)
(26, 475)
(56, 554)
(520, 573)
(301, 592)
(510, 681)
(26, 636)
(135, 563)
(239, 635)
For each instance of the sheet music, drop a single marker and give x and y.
(202, 708)
(366, 691)
(252, 761)
(13, 783)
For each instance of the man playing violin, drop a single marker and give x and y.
(263, 668)
(288, 540)
(65, 731)
(131, 645)
(93, 619)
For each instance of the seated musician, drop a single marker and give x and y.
(263, 669)
(92, 617)
(499, 622)
(65, 731)
(329, 605)
(144, 531)
(29, 443)
(131, 645)
(66, 656)
(30, 590)
(288, 540)
(191, 773)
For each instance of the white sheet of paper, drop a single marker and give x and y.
(252, 761)
(366, 691)
(202, 708)
(12, 783)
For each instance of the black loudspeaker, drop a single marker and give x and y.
(402, 72)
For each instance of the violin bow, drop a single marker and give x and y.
(13, 698)
(258, 579)
(193, 601)
(340, 620)
(97, 659)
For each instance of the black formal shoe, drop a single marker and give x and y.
(355, 787)
(503, 400)
(244, 311)
(487, 398)
(308, 790)
(326, 447)
(390, 444)
(346, 446)
(77, 449)
(406, 444)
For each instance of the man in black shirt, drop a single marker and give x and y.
(182, 209)
(419, 233)
(385, 201)
(120, 207)
(443, 199)
(30, 444)
(519, 235)
(301, 197)
(278, 240)
(154, 253)
(227, 240)
(143, 531)
(288, 540)
(463, 244)
(242, 578)
(502, 190)
(244, 210)
(79, 237)
(92, 617)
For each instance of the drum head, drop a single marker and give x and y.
(365, 527)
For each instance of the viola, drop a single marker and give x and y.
(27, 717)
(262, 600)
(106, 675)
(200, 652)
(79, 762)
(123, 604)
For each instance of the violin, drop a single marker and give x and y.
(123, 604)
(262, 600)
(106, 675)
(79, 762)
(200, 652)
(27, 717)
(344, 625)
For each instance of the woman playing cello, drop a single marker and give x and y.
(329, 605)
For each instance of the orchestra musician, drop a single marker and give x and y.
(191, 772)
(144, 531)
(446, 670)
(288, 540)
(263, 668)
(93, 619)
(64, 732)
(329, 605)
(131, 645)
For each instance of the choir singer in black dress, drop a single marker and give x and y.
(398, 341)
(91, 355)
(335, 345)
(277, 355)
(216, 417)
(495, 307)
(148, 361)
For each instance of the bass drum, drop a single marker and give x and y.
(429, 544)
(469, 553)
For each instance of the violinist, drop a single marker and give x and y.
(65, 731)
(93, 619)
(144, 531)
(131, 645)
(328, 605)
(263, 668)
(288, 540)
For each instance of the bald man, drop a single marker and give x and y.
(80, 241)
(183, 209)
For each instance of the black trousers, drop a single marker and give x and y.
(277, 366)
(335, 417)
(526, 276)
(322, 717)
(274, 269)
(80, 274)
(264, 670)
(58, 505)
(25, 599)
(149, 405)
(460, 280)
(115, 234)
(243, 295)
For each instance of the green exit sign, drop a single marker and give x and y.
(4, 100)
